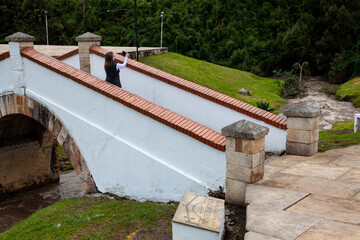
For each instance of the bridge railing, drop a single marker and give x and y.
(135, 148)
(208, 107)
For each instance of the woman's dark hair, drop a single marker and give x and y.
(108, 60)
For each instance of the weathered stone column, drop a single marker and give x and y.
(17, 42)
(302, 130)
(245, 156)
(85, 42)
(357, 123)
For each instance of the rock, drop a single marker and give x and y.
(245, 91)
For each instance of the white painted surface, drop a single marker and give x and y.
(6, 83)
(186, 232)
(16, 63)
(187, 104)
(127, 153)
(357, 123)
(73, 61)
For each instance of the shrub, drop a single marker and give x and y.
(344, 67)
(264, 106)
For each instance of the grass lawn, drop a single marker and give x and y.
(341, 135)
(350, 91)
(96, 219)
(222, 79)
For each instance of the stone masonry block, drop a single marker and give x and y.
(23, 45)
(249, 175)
(302, 136)
(230, 143)
(62, 135)
(301, 149)
(302, 123)
(250, 146)
(235, 192)
(89, 186)
(57, 128)
(245, 160)
(28, 107)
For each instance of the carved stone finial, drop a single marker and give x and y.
(245, 130)
(20, 37)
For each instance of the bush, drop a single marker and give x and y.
(344, 67)
(291, 84)
(264, 106)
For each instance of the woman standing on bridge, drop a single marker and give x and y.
(112, 68)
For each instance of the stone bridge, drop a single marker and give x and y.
(152, 140)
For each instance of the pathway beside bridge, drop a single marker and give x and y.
(305, 198)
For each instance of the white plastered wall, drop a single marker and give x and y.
(6, 78)
(72, 61)
(127, 153)
(199, 109)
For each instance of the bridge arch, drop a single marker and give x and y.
(13, 105)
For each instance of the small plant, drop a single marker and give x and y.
(264, 106)
(301, 68)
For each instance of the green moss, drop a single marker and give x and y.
(222, 79)
(92, 219)
(341, 135)
(350, 91)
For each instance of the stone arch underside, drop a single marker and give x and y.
(11, 104)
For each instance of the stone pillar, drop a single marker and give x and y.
(85, 42)
(357, 123)
(302, 130)
(17, 42)
(245, 156)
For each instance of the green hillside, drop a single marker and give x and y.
(222, 79)
(350, 91)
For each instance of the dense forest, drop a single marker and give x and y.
(253, 35)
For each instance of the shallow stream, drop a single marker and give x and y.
(20, 206)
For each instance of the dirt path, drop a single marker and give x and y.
(331, 109)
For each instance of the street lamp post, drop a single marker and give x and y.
(47, 34)
(136, 35)
(162, 22)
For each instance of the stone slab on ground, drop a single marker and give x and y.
(274, 198)
(338, 209)
(325, 187)
(269, 170)
(356, 197)
(326, 171)
(327, 230)
(277, 223)
(351, 176)
(348, 160)
(198, 217)
(284, 161)
(278, 180)
(258, 236)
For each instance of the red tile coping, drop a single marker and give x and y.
(4, 55)
(196, 89)
(160, 114)
(67, 55)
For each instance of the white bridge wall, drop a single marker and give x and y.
(6, 77)
(199, 109)
(73, 61)
(128, 154)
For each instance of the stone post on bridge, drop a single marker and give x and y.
(302, 130)
(85, 42)
(17, 42)
(245, 156)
